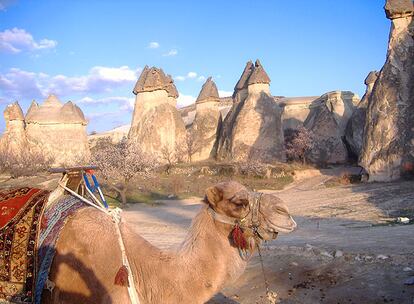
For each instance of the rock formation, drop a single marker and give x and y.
(388, 147)
(253, 128)
(354, 132)
(327, 120)
(14, 141)
(156, 123)
(58, 131)
(295, 110)
(206, 122)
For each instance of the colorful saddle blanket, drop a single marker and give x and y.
(29, 230)
(20, 210)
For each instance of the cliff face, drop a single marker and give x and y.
(388, 146)
(252, 129)
(354, 132)
(327, 121)
(156, 123)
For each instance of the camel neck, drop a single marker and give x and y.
(204, 264)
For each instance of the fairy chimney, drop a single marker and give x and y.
(156, 122)
(253, 128)
(387, 150)
(207, 121)
(58, 131)
(14, 141)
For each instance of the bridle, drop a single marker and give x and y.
(254, 227)
(249, 224)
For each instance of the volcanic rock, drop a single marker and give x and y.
(388, 146)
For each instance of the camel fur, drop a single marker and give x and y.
(88, 256)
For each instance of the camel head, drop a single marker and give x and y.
(262, 216)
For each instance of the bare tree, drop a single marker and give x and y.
(121, 162)
(170, 156)
(191, 144)
(298, 143)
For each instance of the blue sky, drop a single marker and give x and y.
(92, 52)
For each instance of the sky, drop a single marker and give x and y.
(92, 52)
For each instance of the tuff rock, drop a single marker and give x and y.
(388, 147)
(354, 132)
(156, 123)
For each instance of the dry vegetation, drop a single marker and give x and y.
(27, 164)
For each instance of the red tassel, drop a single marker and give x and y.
(238, 237)
(121, 277)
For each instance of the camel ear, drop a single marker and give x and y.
(213, 196)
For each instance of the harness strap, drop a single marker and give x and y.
(115, 215)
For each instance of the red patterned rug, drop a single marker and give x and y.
(20, 213)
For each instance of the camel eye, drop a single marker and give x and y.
(240, 202)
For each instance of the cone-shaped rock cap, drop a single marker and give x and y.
(52, 111)
(13, 112)
(371, 78)
(208, 92)
(170, 87)
(258, 75)
(399, 8)
(152, 79)
(242, 83)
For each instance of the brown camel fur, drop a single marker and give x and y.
(88, 255)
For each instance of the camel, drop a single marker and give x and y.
(88, 256)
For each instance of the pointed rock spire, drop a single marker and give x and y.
(242, 83)
(13, 112)
(208, 92)
(52, 111)
(52, 101)
(258, 75)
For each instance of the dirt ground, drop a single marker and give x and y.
(348, 247)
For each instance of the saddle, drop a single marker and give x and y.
(30, 222)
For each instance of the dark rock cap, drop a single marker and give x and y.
(13, 112)
(170, 87)
(399, 8)
(259, 75)
(371, 78)
(208, 92)
(242, 83)
(152, 79)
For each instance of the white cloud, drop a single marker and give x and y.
(172, 52)
(17, 40)
(191, 75)
(179, 78)
(225, 93)
(201, 78)
(125, 103)
(18, 84)
(153, 45)
(185, 100)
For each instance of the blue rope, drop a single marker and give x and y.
(95, 187)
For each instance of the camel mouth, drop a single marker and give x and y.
(287, 227)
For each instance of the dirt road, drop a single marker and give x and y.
(344, 251)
